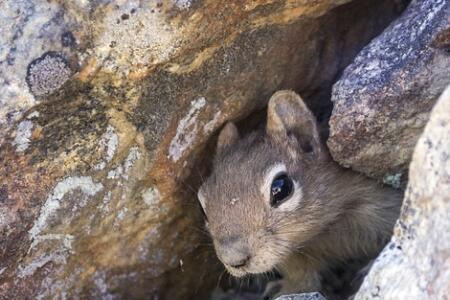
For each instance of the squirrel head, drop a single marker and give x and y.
(260, 200)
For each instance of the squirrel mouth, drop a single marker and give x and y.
(243, 271)
(236, 272)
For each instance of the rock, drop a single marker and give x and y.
(106, 111)
(416, 263)
(383, 99)
(307, 296)
(232, 294)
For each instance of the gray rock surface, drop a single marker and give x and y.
(383, 99)
(28, 29)
(416, 263)
(307, 296)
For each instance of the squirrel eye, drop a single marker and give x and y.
(280, 190)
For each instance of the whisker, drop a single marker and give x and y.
(220, 278)
(201, 230)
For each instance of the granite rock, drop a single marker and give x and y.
(416, 263)
(383, 99)
(307, 296)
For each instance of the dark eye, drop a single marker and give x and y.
(280, 190)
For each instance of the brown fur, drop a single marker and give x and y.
(341, 214)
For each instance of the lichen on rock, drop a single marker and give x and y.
(29, 29)
(187, 130)
(53, 202)
(47, 73)
(23, 135)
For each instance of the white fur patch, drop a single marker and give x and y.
(293, 202)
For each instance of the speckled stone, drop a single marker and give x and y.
(416, 263)
(307, 296)
(383, 99)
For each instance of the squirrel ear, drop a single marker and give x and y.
(228, 136)
(288, 116)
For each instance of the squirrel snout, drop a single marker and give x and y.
(234, 254)
(239, 262)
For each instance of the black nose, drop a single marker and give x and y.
(241, 263)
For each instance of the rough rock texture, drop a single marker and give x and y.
(105, 108)
(416, 263)
(383, 100)
(308, 296)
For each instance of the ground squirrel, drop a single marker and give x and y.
(276, 200)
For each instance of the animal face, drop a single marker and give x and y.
(257, 201)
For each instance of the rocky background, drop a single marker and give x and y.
(108, 110)
(416, 263)
(383, 99)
